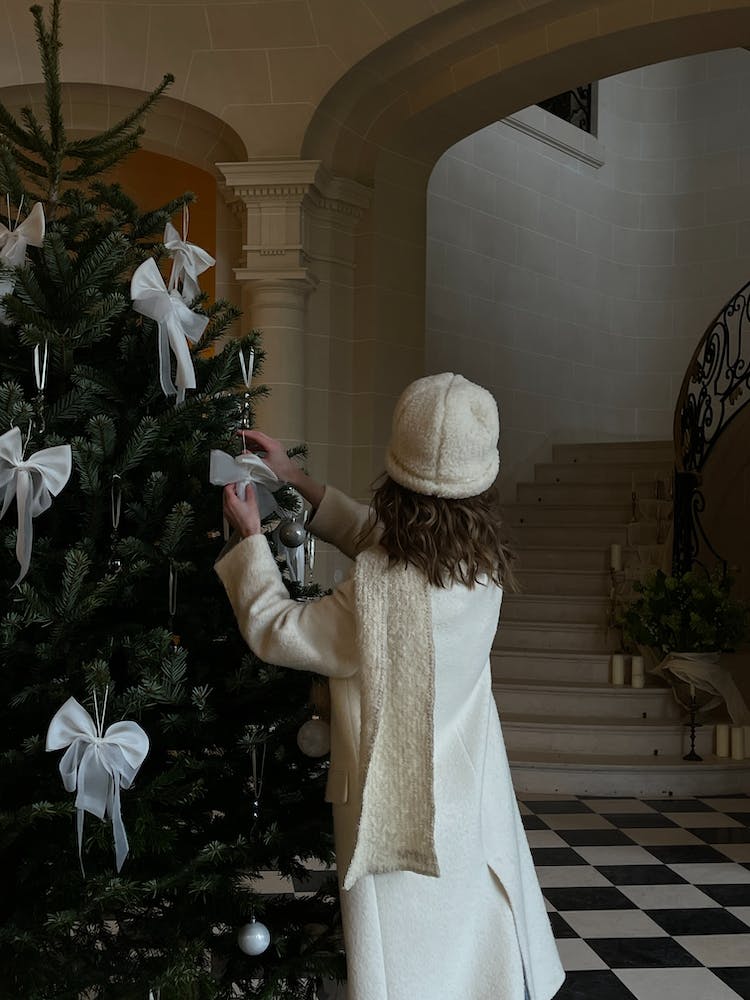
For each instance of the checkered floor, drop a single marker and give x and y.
(648, 899)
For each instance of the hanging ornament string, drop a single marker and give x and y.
(115, 506)
(41, 364)
(173, 603)
(256, 778)
(246, 367)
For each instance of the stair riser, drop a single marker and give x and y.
(585, 638)
(623, 704)
(640, 741)
(588, 536)
(586, 494)
(650, 779)
(541, 513)
(584, 611)
(550, 668)
(636, 452)
(565, 584)
(546, 557)
(603, 472)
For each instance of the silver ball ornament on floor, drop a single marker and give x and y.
(253, 938)
(314, 738)
(291, 533)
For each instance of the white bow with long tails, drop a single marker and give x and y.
(97, 765)
(33, 482)
(188, 261)
(177, 325)
(13, 243)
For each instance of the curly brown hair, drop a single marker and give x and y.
(450, 541)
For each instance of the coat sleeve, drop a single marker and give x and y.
(313, 635)
(340, 521)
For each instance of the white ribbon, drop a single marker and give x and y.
(97, 766)
(247, 366)
(188, 261)
(245, 470)
(33, 482)
(13, 243)
(177, 324)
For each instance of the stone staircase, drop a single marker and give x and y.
(567, 729)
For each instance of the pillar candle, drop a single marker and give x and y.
(637, 677)
(618, 668)
(722, 740)
(738, 743)
(615, 557)
(746, 730)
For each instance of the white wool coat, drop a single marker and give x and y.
(480, 931)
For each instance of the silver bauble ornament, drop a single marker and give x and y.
(253, 938)
(114, 565)
(291, 533)
(314, 738)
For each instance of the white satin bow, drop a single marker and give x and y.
(13, 243)
(97, 765)
(177, 324)
(33, 482)
(188, 261)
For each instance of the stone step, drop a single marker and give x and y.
(593, 735)
(584, 535)
(616, 451)
(565, 582)
(540, 513)
(555, 636)
(631, 776)
(552, 666)
(555, 608)
(570, 699)
(567, 558)
(587, 494)
(602, 472)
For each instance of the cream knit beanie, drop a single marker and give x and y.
(444, 438)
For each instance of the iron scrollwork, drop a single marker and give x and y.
(574, 106)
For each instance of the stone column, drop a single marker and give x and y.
(298, 238)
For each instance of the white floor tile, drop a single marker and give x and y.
(741, 912)
(670, 836)
(576, 821)
(700, 820)
(612, 923)
(713, 874)
(565, 876)
(737, 852)
(577, 956)
(616, 806)
(718, 950)
(617, 856)
(675, 984)
(524, 810)
(544, 838)
(667, 897)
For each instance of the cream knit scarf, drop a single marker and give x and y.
(394, 636)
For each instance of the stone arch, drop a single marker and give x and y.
(388, 120)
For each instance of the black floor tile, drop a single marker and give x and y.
(679, 805)
(595, 838)
(597, 985)
(546, 856)
(642, 953)
(542, 806)
(724, 834)
(728, 895)
(588, 898)
(687, 854)
(560, 927)
(701, 920)
(533, 823)
(736, 979)
(638, 820)
(640, 875)
(741, 817)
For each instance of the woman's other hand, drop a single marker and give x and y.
(243, 515)
(274, 455)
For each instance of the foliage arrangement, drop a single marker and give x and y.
(96, 613)
(688, 613)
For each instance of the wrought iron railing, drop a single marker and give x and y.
(574, 106)
(715, 389)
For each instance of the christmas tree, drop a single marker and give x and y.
(120, 609)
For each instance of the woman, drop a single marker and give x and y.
(439, 896)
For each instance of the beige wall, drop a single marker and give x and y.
(578, 292)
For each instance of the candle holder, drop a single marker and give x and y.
(693, 725)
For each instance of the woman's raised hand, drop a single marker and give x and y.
(273, 454)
